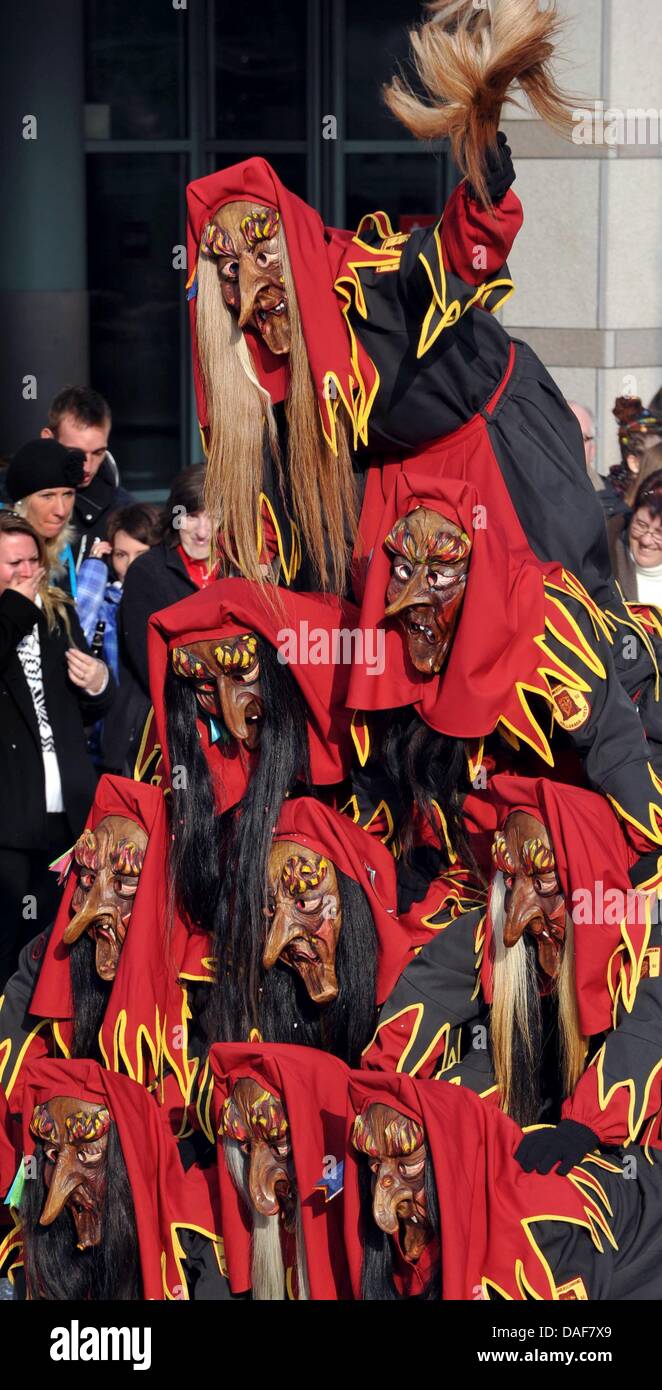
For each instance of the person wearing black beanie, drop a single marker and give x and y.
(40, 483)
(43, 465)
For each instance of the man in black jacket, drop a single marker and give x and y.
(50, 686)
(80, 418)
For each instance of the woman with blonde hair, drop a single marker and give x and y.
(41, 483)
(50, 687)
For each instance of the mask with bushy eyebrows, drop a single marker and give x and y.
(74, 1138)
(429, 564)
(256, 1120)
(304, 917)
(225, 673)
(109, 862)
(534, 901)
(395, 1148)
(246, 240)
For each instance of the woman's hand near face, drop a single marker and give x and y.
(29, 588)
(86, 671)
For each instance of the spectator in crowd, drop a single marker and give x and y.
(80, 418)
(586, 421)
(655, 406)
(131, 531)
(637, 552)
(618, 522)
(49, 686)
(175, 568)
(639, 429)
(40, 483)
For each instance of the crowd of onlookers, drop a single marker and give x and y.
(83, 565)
(631, 495)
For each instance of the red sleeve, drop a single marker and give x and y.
(619, 1117)
(467, 227)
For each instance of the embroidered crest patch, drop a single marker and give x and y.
(575, 1288)
(571, 708)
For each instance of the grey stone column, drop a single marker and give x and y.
(587, 264)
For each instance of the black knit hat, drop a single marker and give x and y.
(43, 463)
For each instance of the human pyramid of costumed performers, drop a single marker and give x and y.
(356, 990)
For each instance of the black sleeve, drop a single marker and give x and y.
(578, 1268)
(419, 1025)
(17, 617)
(622, 1087)
(92, 707)
(18, 1028)
(608, 734)
(204, 1280)
(142, 595)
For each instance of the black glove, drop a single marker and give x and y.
(499, 171)
(566, 1144)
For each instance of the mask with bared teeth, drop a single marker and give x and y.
(74, 1138)
(304, 917)
(396, 1152)
(534, 901)
(245, 239)
(109, 861)
(429, 564)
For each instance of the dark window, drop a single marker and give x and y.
(135, 69)
(135, 296)
(376, 44)
(260, 70)
(175, 93)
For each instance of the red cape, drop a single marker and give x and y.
(165, 1197)
(497, 659)
(312, 1087)
(488, 1205)
(230, 607)
(146, 1004)
(593, 859)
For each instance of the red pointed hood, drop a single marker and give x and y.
(323, 264)
(145, 1003)
(312, 1087)
(501, 616)
(165, 1197)
(231, 607)
(592, 859)
(488, 1206)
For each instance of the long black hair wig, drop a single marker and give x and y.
(90, 998)
(55, 1269)
(215, 859)
(277, 1002)
(424, 766)
(377, 1272)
